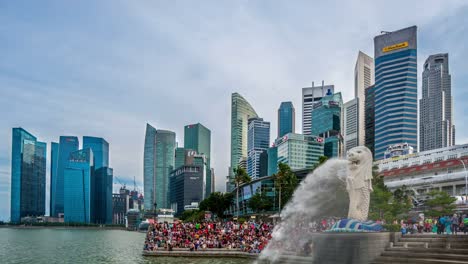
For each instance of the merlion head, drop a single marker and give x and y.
(360, 158)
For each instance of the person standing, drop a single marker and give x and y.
(455, 224)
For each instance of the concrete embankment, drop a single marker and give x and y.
(207, 253)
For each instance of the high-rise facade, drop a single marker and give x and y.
(67, 145)
(299, 151)
(100, 149)
(272, 160)
(158, 162)
(350, 124)
(187, 187)
(396, 91)
(54, 159)
(436, 123)
(102, 188)
(78, 187)
(326, 118)
(241, 112)
(310, 96)
(363, 78)
(179, 157)
(28, 175)
(369, 110)
(258, 136)
(197, 137)
(286, 119)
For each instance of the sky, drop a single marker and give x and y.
(106, 68)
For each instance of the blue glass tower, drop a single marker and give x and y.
(286, 119)
(67, 145)
(100, 149)
(395, 89)
(78, 190)
(54, 160)
(258, 140)
(28, 175)
(272, 160)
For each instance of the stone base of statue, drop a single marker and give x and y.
(352, 225)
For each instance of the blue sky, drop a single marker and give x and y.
(105, 68)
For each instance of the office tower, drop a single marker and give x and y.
(363, 78)
(186, 184)
(436, 123)
(213, 181)
(158, 162)
(369, 111)
(120, 206)
(286, 119)
(197, 137)
(299, 151)
(78, 187)
(67, 145)
(241, 112)
(54, 160)
(258, 136)
(310, 96)
(28, 175)
(350, 124)
(396, 90)
(179, 157)
(100, 149)
(263, 163)
(272, 160)
(326, 119)
(102, 189)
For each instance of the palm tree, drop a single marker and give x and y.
(287, 179)
(240, 177)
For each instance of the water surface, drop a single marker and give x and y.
(52, 245)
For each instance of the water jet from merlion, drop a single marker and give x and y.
(338, 188)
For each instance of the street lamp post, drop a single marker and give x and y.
(466, 179)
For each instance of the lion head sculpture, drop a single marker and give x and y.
(360, 164)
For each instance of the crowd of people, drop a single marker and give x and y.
(454, 224)
(249, 237)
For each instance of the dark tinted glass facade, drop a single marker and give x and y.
(100, 149)
(186, 185)
(28, 165)
(102, 189)
(369, 112)
(54, 160)
(67, 145)
(286, 119)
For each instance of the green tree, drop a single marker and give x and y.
(260, 202)
(240, 177)
(440, 203)
(285, 183)
(217, 203)
(402, 202)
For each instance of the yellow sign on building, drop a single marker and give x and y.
(395, 46)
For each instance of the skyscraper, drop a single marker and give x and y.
(28, 175)
(286, 119)
(179, 157)
(350, 124)
(363, 78)
(369, 111)
(299, 151)
(310, 96)
(258, 136)
(272, 160)
(396, 91)
(326, 119)
(158, 162)
(78, 190)
(241, 112)
(197, 137)
(436, 125)
(100, 149)
(67, 145)
(54, 160)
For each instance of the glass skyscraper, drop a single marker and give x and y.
(159, 159)
(437, 129)
(286, 119)
(241, 112)
(197, 137)
(396, 90)
(369, 111)
(299, 151)
(100, 149)
(258, 136)
(67, 145)
(78, 190)
(179, 157)
(28, 175)
(272, 160)
(326, 119)
(310, 97)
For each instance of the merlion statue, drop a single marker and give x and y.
(359, 182)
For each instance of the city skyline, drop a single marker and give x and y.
(45, 72)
